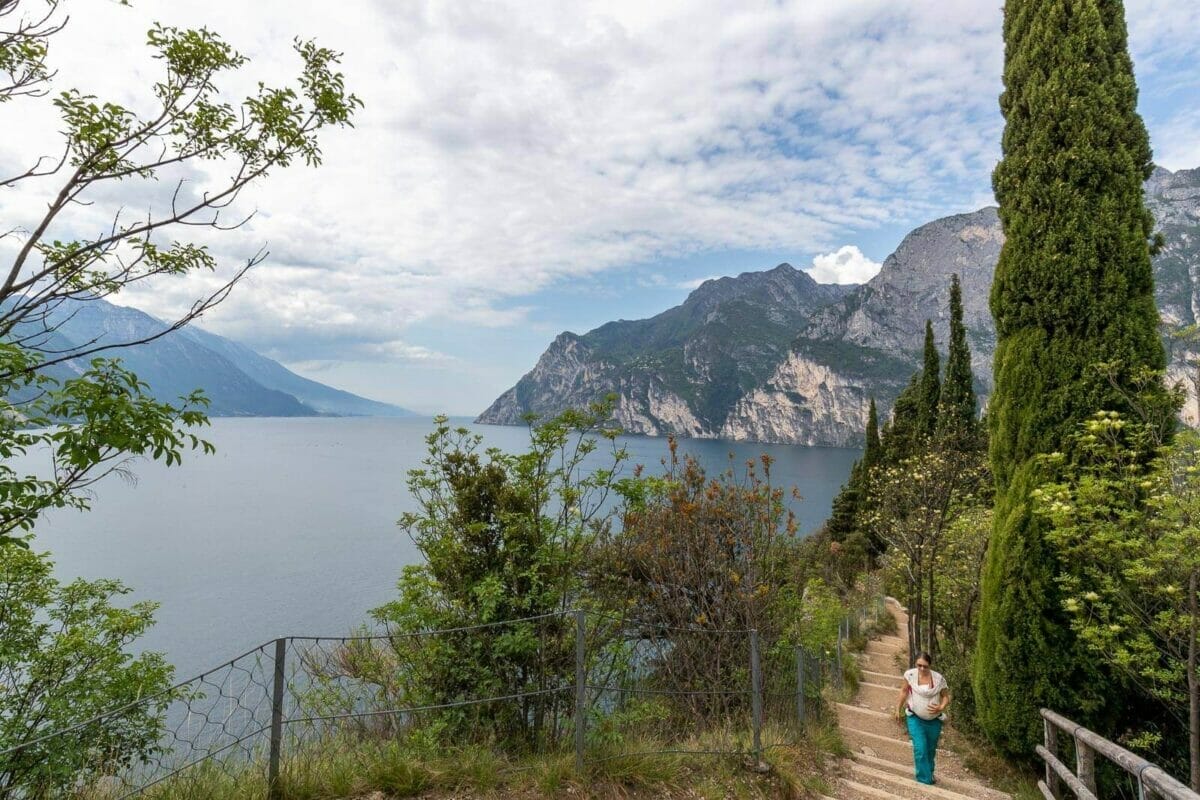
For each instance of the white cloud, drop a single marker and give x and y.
(510, 146)
(847, 264)
(1177, 145)
(391, 351)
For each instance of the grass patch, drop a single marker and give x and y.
(346, 769)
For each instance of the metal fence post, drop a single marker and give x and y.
(580, 687)
(756, 695)
(800, 700)
(274, 790)
(1085, 765)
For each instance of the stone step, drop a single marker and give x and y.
(852, 790)
(874, 744)
(868, 719)
(882, 768)
(971, 788)
(904, 786)
(884, 678)
(897, 748)
(877, 696)
(881, 662)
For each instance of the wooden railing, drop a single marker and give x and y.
(1153, 783)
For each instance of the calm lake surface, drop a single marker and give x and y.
(290, 529)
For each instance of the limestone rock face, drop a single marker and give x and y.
(1174, 199)
(657, 411)
(889, 312)
(803, 403)
(567, 375)
(776, 357)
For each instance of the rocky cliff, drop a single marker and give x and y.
(776, 357)
(681, 371)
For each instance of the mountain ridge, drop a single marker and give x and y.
(846, 345)
(237, 380)
(686, 366)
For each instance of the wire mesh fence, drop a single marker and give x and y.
(603, 686)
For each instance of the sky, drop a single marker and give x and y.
(523, 168)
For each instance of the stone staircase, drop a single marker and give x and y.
(881, 764)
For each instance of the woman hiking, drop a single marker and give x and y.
(924, 698)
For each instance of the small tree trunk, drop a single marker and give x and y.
(914, 622)
(1193, 686)
(912, 627)
(931, 634)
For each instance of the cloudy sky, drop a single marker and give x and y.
(522, 168)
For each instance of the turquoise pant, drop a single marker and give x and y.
(924, 733)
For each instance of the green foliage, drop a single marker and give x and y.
(844, 514)
(1130, 530)
(24, 45)
(820, 612)
(930, 416)
(64, 659)
(959, 564)
(503, 537)
(1073, 287)
(918, 503)
(851, 502)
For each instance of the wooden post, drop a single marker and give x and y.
(1052, 779)
(1085, 764)
(756, 708)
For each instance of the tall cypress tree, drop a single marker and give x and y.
(931, 386)
(900, 436)
(844, 513)
(874, 449)
(845, 517)
(1073, 287)
(956, 412)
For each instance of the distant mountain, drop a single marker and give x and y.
(317, 396)
(684, 370)
(237, 380)
(800, 365)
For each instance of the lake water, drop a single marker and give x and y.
(290, 529)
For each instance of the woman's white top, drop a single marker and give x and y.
(920, 697)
